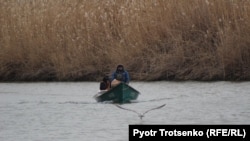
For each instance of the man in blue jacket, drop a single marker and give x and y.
(121, 74)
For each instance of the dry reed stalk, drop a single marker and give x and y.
(156, 40)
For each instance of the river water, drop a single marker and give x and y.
(67, 111)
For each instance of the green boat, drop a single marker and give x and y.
(122, 93)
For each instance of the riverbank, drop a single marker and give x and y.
(155, 40)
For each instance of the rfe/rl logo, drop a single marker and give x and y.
(225, 132)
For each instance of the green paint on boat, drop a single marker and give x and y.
(122, 93)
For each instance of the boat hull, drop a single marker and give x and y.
(122, 93)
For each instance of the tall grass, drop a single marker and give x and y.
(154, 39)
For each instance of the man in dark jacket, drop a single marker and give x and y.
(121, 74)
(105, 84)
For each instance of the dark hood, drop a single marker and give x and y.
(120, 66)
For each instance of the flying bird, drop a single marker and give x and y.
(140, 115)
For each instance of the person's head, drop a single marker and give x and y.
(105, 79)
(120, 68)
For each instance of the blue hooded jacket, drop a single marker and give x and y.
(121, 74)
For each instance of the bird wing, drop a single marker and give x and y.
(154, 109)
(127, 109)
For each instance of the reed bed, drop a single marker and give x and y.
(69, 40)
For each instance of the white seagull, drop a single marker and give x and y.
(141, 115)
